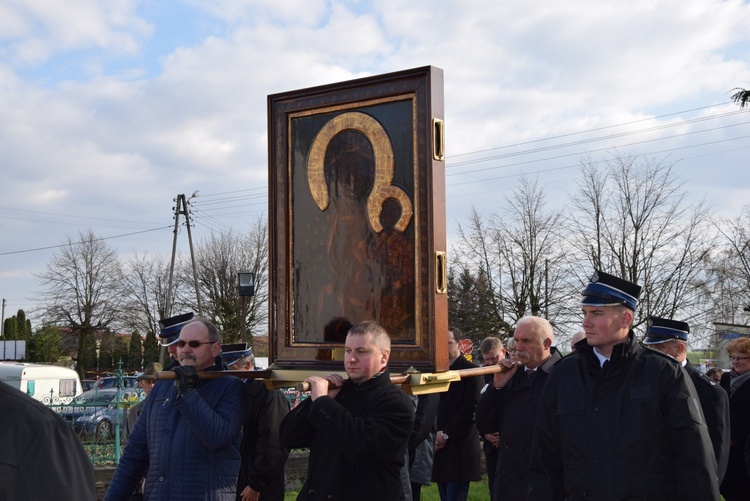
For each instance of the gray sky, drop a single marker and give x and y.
(110, 109)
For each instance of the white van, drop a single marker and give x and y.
(49, 384)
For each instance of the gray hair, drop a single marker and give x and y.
(541, 327)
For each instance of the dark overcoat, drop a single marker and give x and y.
(263, 456)
(511, 411)
(736, 484)
(357, 441)
(715, 406)
(40, 455)
(459, 460)
(634, 431)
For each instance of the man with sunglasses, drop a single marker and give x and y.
(186, 441)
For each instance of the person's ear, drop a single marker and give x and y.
(384, 357)
(627, 318)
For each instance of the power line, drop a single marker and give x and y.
(570, 134)
(81, 241)
(603, 138)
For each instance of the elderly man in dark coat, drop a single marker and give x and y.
(186, 441)
(509, 405)
(670, 337)
(357, 429)
(618, 420)
(457, 449)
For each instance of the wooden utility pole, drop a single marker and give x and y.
(181, 208)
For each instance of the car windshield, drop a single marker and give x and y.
(111, 382)
(95, 398)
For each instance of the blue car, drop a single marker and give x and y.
(94, 413)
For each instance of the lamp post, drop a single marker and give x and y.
(246, 288)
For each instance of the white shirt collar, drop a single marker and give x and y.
(601, 358)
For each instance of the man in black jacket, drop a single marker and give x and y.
(261, 476)
(457, 450)
(670, 337)
(617, 420)
(357, 429)
(509, 405)
(492, 352)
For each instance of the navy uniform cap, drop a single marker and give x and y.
(230, 353)
(171, 327)
(661, 330)
(608, 290)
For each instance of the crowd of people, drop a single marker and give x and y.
(616, 418)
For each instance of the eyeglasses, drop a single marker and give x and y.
(737, 359)
(193, 344)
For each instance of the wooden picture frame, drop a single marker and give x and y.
(357, 219)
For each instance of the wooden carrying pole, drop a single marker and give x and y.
(414, 382)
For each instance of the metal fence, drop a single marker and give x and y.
(98, 416)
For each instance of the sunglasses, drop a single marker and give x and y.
(193, 344)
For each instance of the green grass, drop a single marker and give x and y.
(477, 492)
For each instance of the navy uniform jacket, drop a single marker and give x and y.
(715, 406)
(263, 456)
(635, 431)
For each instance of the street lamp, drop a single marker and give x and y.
(246, 288)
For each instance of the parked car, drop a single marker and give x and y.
(111, 382)
(88, 384)
(94, 413)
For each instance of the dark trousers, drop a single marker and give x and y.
(490, 457)
(453, 491)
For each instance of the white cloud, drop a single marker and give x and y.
(37, 29)
(146, 110)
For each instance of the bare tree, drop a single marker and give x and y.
(81, 288)
(731, 270)
(144, 285)
(219, 258)
(520, 252)
(630, 218)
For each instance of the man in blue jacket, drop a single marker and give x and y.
(186, 441)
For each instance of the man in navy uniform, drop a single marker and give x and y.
(618, 420)
(261, 474)
(170, 334)
(670, 337)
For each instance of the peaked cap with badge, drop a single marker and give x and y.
(171, 327)
(661, 330)
(608, 290)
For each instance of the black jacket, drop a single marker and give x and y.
(737, 481)
(634, 432)
(357, 441)
(263, 456)
(459, 460)
(715, 406)
(40, 455)
(512, 411)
